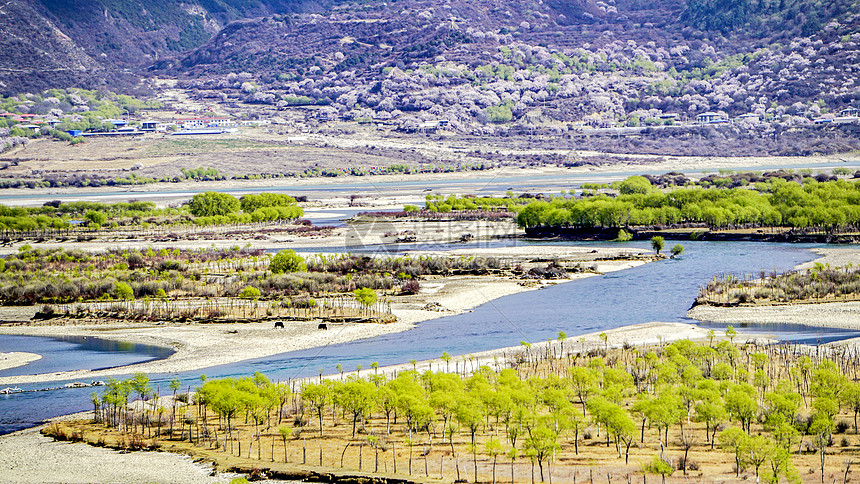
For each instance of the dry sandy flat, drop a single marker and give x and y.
(834, 256)
(832, 315)
(17, 358)
(200, 346)
(367, 185)
(29, 457)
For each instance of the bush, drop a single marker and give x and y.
(287, 261)
(410, 287)
(124, 291)
(252, 202)
(250, 292)
(499, 114)
(624, 236)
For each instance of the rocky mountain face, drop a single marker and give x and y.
(36, 54)
(102, 43)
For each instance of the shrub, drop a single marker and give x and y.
(287, 261)
(499, 114)
(410, 287)
(123, 291)
(624, 236)
(250, 292)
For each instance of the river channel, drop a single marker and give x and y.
(661, 291)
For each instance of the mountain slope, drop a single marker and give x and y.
(35, 54)
(134, 33)
(100, 43)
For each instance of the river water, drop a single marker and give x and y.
(661, 291)
(477, 182)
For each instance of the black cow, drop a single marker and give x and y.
(279, 324)
(322, 326)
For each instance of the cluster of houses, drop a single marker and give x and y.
(847, 115)
(203, 125)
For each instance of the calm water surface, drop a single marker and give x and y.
(661, 291)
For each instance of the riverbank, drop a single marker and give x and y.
(28, 456)
(825, 314)
(200, 346)
(16, 359)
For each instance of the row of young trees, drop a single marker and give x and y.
(204, 209)
(826, 205)
(654, 409)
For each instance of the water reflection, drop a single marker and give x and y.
(67, 353)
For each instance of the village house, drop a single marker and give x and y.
(204, 122)
(709, 117)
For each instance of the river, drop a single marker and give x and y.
(661, 291)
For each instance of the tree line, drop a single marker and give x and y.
(824, 205)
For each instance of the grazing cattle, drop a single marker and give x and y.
(322, 326)
(279, 324)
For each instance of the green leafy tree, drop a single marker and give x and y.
(356, 397)
(657, 243)
(735, 440)
(635, 184)
(365, 296)
(659, 467)
(285, 433)
(492, 447)
(542, 442)
(677, 250)
(624, 236)
(208, 204)
(741, 404)
(97, 219)
(318, 395)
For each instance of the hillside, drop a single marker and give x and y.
(525, 66)
(533, 65)
(36, 54)
(97, 43)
